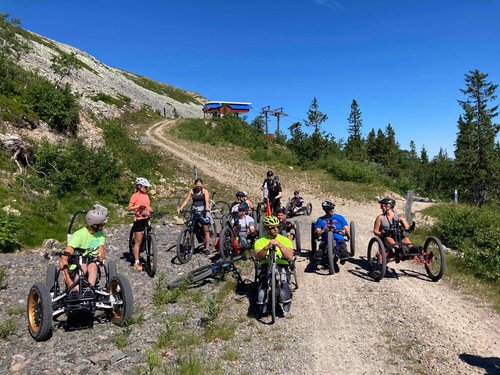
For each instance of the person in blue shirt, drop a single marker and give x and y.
(322, 226)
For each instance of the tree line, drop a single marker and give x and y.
(474, 171)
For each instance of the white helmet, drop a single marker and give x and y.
(142, 181)
(96, 217)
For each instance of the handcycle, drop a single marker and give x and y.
(292, 231)
(304, 210)
(193, 229)
(431, 254)
(148, 244)
(331, 251)
(272, 283)
(228, 242)
(47, 301)
(216, 270)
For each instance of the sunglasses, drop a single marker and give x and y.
(271, 228)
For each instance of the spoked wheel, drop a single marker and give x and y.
(435, 259)
(39, 309)
(298, 245)
(352, 239)
(273, 293)
(185, 245)
(121, 298)
(314, 246)
(377, 260)
(309, 209)
(331, 255)
(151, 255)
(220, 208)
(226, 240)
(131, 243)
(192, 277)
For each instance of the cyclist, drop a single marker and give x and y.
(284, 255)
(244, 227)
(140, 204)
(245, 199)
(241, 200)
(324, 224)
(385, 221)
(91, 238)
(297, 201)
(200, 208)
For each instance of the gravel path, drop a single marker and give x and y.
(343, 323)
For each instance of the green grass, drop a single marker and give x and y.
(3, 277)
(162, 89)
(123, 338)
(120, 101)
(12, 110)
(222, 330)
(7, 327)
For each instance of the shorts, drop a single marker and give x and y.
(139, 225)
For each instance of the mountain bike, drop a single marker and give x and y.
(148, 244)
(193, 230)
(431, 254)
(332, 249)
(217, 270)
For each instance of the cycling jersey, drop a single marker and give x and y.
(264, 241)
(83, 239)
(337, 220)
(244, 223)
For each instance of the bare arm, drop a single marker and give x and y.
(376, 226)
(189, 195)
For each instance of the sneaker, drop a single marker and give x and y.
(138, 266)
(286, 306)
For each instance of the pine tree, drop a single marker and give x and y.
(319, 139)
(477, 158)
(355, 144)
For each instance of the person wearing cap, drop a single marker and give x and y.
(385, 221)
(297, 201)
(89, 239)
(272, 192)
(140, 204)
(266, 185)
(322, 226)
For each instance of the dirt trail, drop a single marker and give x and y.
(352, 325)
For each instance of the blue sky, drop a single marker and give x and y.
(402, 60)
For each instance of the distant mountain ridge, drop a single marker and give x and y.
(95, 81)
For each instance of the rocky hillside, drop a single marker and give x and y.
(95, 80)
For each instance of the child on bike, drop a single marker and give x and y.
(201, 209)
(140, 204)
(331, 220)
(90, 238)
(284, 255)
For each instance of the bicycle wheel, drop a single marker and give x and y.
(435, 259)
(151, 255)
(185, 245)
(122, 299)
(39, 310)
(309, 209)
(288, 209)
(330, 253)
(226, 239)
(314, 245)
(298, 245)
(192, 277)
(352, 240)
(377, 260)
(273, 293)
(220, 208)
(51, 278)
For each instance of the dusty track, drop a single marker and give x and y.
(405, 323)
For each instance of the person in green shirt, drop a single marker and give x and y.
(89, 239)
(284, 255)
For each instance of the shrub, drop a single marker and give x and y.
(349, 170)
(57, 106)
(9, 232)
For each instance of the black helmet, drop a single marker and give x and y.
(391, 202)
(240, 194)
(328, 205)
(270, 173)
